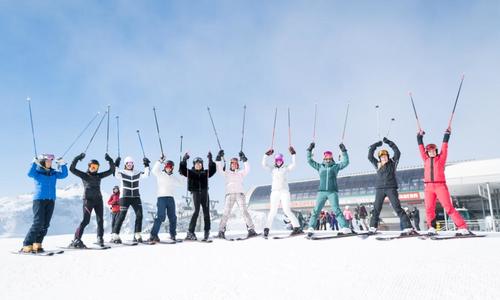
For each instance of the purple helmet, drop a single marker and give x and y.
(278, 158)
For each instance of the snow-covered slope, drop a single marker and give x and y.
(16, 213)
(349, 268)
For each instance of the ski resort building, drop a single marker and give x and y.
(474, 186)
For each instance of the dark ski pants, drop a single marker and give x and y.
(165, 204)
(202, 199)
(136, 204)
(114, 217)
(393, 196)
(42, 214)
(88, 206)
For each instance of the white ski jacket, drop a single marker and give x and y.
(129, 181)
(167, 184)
(234, 179)
(280, 180)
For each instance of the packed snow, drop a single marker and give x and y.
(295, 268)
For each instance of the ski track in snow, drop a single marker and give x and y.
(296, 268)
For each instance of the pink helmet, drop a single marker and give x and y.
(327, 154)
(278, 158)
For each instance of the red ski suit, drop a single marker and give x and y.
(114, 202)
(435, 184)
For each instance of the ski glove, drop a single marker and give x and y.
(243, 158)
(388, 142)
(60, 161)
(446, 137)
(186, 157)
(311, 147)
(108, 158)
(342, 147)
(80, 157)
(292, 150)
(219, 155)
(162, 158)
(209, 156)
(420, 138)
(269, 152)
(146, 162)
(117, 161)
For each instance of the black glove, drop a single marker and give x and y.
(209, 156)
(420, 137)
(162, 158)
(292, 150)
(311, 147)
(447, 134)
(185, 157)
(386, 140)
(108, 158)
(117, 161)
(146, 162)
(80, 157)
(219, 155)
(243, 158)
(269, 152)
(342, 147)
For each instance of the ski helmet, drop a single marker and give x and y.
(169, 164)
(327, 154)
(117, 188)
(197, 160)
(94, 162)
(431, 147)
(383, 152)
(279, 158)
(234, 160)
(128, 159)
(42, 158)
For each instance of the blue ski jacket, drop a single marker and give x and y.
(45, 181)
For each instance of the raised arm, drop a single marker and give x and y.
(73, 168)
(265, 165)
(444, 147)
(420, 141)
(111, 169)
(157, 168)
(344, 161)
(395, 149)
(32, 171)
(293, 164)
(63, 173)
(371, 154)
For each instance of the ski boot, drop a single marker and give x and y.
(463, 231)
(409, 231)
(266, 232)
(221, 235)
(27, 249)
(153, 239)
(37, 248)
(310, 232)
(172, 237)
(77, 244)
(431, 231)
(297, 230)
(115, 238)
(206, 235)
(345, 230)
(251, 233)
(137, 238)
(372, 230)
(190, 236)
(100, 241)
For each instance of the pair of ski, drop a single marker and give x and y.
(340, 235)
(44, 253)
(426, 236)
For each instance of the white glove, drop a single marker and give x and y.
(60, 161)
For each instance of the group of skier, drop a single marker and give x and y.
(127, 194)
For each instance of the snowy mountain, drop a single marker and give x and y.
(16, 214)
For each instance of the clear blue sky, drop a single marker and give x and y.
(76, 57)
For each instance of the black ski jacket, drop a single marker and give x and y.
(92, 181)
(197, 180)
(386, 175)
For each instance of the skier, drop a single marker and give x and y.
(328, 189)
(198, 186)
(234, 191)
(167, 183)
(348, 216)
(280, 192)
(114, 205)
(435, 184)
(130, 196)
(92, 197)
(387, 185)
(45, 178)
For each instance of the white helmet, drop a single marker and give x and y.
(129, 159)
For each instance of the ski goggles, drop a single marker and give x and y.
(93, 167)
(48, 156)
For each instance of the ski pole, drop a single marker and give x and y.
(243, 128)
(32, 127)
(390, 126)
(274, 126)
(81, 133)
(142, 146)
(345, 123)
(118, 133)
(180, 158)
(315, 118)
(213, 125)
(456, 101)
(158, 131)
(107, 132)
(289, 130)
(378, 120)
(415, 111)
(95, 132)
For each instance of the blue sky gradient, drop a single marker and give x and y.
(74, 58)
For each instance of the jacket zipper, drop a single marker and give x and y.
(432, 169)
